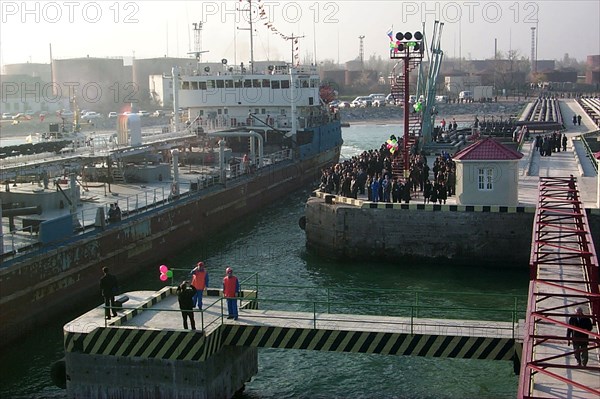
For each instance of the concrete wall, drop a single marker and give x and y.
(220, 376)
(351, 232)
(505, 183)
(476, 235)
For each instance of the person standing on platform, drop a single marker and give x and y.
(580, 339)
(108, 285)
(574, 120)
(571, 193)
(564, 142)
(185, 293)
(579, 120)
(231, 289)
(199, 282)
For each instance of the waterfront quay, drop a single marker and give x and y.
(342, 228)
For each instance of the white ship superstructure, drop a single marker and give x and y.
(235, 98)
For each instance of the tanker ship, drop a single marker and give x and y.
(247, 136)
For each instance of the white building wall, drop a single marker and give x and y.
(504, 182)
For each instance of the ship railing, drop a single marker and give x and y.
(18, 240)
(25, 240)
(237, 168)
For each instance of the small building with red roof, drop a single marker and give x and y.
(487, 173)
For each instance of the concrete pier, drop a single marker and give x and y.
(146, 354)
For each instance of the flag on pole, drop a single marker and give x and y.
(390, 34)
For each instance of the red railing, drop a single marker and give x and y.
(563, 275)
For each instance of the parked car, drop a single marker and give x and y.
(361, 102)
(7, 115)
(393, 101)
(143, 113)
(21, 116)
(344, 104)
(158, 113)
(378, 100)
(441, 99)
(112, 115)
(90, 115)
(65, 114)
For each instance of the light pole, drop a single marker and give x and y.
(409, 48)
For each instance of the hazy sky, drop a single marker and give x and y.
(148, 28)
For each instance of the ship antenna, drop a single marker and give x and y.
(294, 42)
(198, 42)
(251, 35)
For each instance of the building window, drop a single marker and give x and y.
(485, 179)
(285, 84)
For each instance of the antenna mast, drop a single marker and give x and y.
(294, 41)
(198, 42)
(251, 35)
(533, 57)
(361, 52)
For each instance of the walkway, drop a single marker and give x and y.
(564, 274)
(150, 326)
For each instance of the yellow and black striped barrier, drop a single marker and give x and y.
(369, 342)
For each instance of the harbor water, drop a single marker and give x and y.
(271, 244)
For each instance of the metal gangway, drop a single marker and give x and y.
(563, 276)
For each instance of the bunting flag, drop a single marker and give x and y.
(262, 13)
(391, 35)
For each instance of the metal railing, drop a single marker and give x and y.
(409, 318)
(588, 151)
(418, 306)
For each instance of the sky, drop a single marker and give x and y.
(330, 29)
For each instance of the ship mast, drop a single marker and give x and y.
(251, 35)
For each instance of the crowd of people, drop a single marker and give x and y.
(550, 143)
(378, 175)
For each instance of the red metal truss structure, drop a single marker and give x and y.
(563, 275)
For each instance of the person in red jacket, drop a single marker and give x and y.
(231, 288)
(199, 282)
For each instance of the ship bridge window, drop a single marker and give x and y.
(266, 83)
(219, 111)
(304, 83)
(229, 84)
(247, 83)
(285, 84)
(275, 84)
(220, 84)
(210, 84)
(310, 101)
(314, 83)
(255, 82)
(237, 84)
(202, 85)
(185, 85)
(194, 85)
(263, 111)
